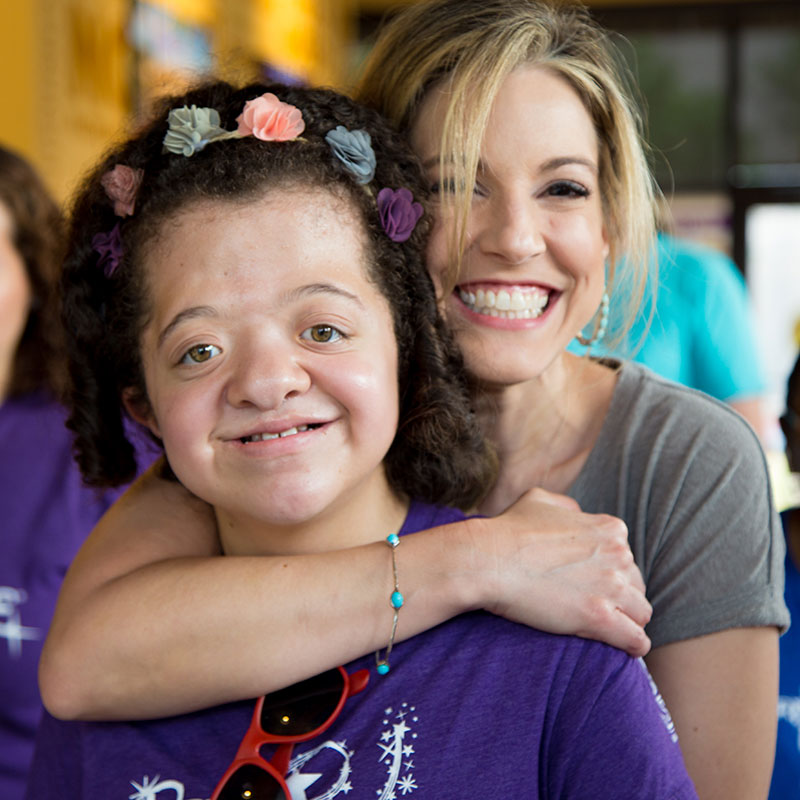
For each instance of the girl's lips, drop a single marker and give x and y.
(263, 437)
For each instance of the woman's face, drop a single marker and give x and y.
(533, 271)
(270, 361)
(15, 297)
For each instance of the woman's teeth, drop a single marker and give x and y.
(507, 304)
(263, 437)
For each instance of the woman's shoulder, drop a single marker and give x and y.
(647, 406)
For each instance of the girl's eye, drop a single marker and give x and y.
(322, 334)
(200, 353)
(567, 189)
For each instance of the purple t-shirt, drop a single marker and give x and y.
(478, 707)
(45, 514)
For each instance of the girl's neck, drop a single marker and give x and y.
(366, 516)
(543, 430)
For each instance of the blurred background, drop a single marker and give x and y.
(720, 82)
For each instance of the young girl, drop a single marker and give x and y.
(260, 303)
(516, 108)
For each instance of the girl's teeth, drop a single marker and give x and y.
(507, 304)
(264, 437)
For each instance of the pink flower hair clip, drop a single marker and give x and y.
(270, 119)
(122, 185)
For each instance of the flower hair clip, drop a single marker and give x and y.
(270, 119)
(109, 247)
(354, 150)
(266, 117)
(399, 213)
(122, 185)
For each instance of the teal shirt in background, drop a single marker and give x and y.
(701, 334)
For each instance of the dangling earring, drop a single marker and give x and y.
(600, 326)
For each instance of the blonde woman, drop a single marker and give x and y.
(532, 145)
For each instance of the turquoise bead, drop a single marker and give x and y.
(397, 600)
(383, 669)
(393, 539)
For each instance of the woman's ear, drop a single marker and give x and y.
(139, 409)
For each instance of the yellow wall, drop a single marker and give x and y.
(64, 78)
(68, 79)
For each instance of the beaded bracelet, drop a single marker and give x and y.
(396, 601)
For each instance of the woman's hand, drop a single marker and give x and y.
(555, 568)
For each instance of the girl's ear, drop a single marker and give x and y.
(139, 409)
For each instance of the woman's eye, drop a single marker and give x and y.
(448, 186)
(443, 186)
(567, 189)
(200, 353)
(322, 334)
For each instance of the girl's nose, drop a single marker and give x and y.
(265, 373)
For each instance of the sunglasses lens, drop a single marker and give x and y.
(251, 782)
(303, 707)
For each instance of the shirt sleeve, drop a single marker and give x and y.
(56, 771)
(610, 715)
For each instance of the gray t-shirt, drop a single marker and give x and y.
(689, 478)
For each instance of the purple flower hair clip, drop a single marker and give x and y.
(109, 247)
(399, 213)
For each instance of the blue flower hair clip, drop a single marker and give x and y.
(354, 150)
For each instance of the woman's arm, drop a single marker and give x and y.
(722, 692)
(151, 621)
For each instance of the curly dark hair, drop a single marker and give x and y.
(38, 238)
(438, 454)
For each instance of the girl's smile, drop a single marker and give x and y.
(271, 367)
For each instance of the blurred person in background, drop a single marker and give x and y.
(786, 775)
(695, 325)
(45, 509)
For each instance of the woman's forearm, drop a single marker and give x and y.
(152, 621)
(189, 633)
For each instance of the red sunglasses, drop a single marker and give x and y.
(294, 714)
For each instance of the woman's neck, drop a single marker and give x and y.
(364, 516)
(544, 429)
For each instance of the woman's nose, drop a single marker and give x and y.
(511, 230)
(265, 373)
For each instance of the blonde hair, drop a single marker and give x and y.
(468, 48)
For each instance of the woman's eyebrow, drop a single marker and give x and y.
(548, 166)
(566, 161)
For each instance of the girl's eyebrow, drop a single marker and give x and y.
(182, 316)
(294, 294)
(323, 288)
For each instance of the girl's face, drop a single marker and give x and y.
(15, 297)
(270, 359)
(533, 270)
